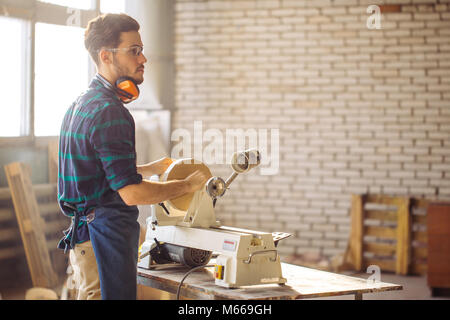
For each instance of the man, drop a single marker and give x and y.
(99, 183)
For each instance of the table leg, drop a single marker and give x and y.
(358, 296)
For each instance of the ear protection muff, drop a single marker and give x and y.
(127, 89)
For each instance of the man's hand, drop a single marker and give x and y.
(161, 165)
(196, 180)
(152, 192)
(156, 167)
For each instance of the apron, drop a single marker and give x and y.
(114, 234)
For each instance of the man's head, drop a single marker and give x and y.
(114, 43)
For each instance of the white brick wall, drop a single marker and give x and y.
(358, 110)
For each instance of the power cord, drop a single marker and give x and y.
(188, 273)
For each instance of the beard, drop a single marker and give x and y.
(138, 81)
(122, 72)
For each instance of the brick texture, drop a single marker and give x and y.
(358, 110)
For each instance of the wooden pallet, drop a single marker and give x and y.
(30, 227)
(52, 156)
(389, 232)
(10, 239)
(13, 265)
(419, 237)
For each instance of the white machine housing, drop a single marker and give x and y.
(245, 257)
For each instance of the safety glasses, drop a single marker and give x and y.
(133, 50)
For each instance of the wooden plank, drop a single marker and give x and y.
(148, 293)
(419, 219)
(419, 269)
(381, 199)
(11, 252)
(403, 237)
(355, 252)
(420, 236)
(56, 226)
(5, 194)
(9, 234)
(420, 203)
(51, 228)
(40, 190)
(17, 250)
(53, 147)
(49, 209)
(46, 190)
(384, 249)
(46, 210)
(380, 232)
(419, 253)
(380, 215)
(385, 265)
(6, 214)
(26, 209)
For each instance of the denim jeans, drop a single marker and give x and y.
(114, 234)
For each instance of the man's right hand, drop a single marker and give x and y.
(196, 180)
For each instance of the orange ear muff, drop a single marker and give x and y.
(127, 89)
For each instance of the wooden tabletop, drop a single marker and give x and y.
(301, 283)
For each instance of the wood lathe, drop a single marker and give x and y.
(185, 230)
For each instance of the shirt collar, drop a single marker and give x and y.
(104, 82)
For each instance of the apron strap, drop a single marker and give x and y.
(73, 236)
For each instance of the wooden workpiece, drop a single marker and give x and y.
(302, 283)
(179, 170)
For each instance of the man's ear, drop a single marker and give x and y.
(105, 56)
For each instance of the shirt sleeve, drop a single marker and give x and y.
(113, 139)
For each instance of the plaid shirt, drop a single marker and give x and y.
(97, 154)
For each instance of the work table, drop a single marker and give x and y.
(301, 283)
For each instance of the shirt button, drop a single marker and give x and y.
(82, 252)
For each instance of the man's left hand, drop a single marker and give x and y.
(160, 166)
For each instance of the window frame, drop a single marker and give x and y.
(35, 11)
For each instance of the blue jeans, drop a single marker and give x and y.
(114, 234)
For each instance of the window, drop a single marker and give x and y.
(61, 74)
(43, 63)
(112, 6)
(12, 81)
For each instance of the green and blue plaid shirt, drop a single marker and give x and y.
(97, 153)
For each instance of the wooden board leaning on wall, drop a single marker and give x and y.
(11, 246)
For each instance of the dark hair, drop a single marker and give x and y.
(105, 30)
